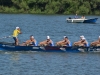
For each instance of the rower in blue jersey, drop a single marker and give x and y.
(82, 42)
(47, 42)
(64, 42)
(30, 42)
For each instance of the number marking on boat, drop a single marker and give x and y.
(63, 49)
(80, 49)
(42, 48)
(35, 47)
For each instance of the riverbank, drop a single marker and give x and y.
(42, 13)
(50, 7)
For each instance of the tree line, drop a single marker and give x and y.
(51, 6)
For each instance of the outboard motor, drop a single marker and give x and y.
(69, 17)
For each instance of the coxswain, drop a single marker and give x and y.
(15, 35)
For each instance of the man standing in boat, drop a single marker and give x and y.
(15, 35)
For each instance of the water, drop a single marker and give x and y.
(48, 63)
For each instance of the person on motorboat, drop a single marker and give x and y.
(82, 42)
(76, 17)
(47, 42)
(30, 42)
(83, 17)
(15, 35)
(96, 43)
(64, 42)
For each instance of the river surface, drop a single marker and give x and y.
(48, 63)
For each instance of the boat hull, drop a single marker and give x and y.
(75, 20)
(82, 20)
(90, 20)
(48, 48)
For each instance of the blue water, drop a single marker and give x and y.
(48, 63)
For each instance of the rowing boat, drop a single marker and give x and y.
(10, 47)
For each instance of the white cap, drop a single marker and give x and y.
(32, 36)
(64, 36)
(81, 36)
(17, 27)
(99, 36)
(48, 37)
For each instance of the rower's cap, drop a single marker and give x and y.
(48, 37)
(64, 36)
(99, 36)
(81, 36)
(32, 36)
(17, 27)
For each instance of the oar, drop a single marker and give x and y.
(5, 37)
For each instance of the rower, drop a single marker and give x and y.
(78, 42)
(30, 42)
(64, 42)
(82, 42)
(96, 43)
(47, 42)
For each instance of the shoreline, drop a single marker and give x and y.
(46, 13)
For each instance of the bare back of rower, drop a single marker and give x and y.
(81, 42)
(64, 42)
(47, 42)
(96, 43)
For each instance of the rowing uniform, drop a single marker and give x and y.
(34, 43)
(50, 43)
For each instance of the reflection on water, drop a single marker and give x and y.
(43, 63)
(15, 57)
